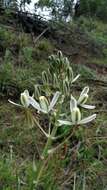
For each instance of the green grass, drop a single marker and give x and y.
(100, 62)
(20, 62)
(95, 28)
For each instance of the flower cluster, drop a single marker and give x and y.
(42, 106)
(61, 75)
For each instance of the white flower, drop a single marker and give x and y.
(76, 115)
(83, 99)
(43, 104)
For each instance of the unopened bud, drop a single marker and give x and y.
(49, 72)
(45, 77)
(52, 58)
(58, 62)
(37, 92)
(69, 73)
(60, 55)
(66, 62)
(55, 81)
(66, 87)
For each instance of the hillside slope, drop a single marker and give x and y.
(83, 42)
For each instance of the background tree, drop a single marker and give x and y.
(93, 8)
(22, 4)
(59, 9)
(16, 4)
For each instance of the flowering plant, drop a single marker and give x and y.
(50, 99)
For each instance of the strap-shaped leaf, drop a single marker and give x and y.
(87, 119)
(54, 100)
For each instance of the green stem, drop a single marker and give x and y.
(44, 155)
(36, 122)
(61, 144)
(41, 168)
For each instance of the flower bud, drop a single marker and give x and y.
(66, 62)
(55, 81)
(52, 58)
(69, 73)
(37, 92)
(76, 115)
(60, 55)
(66, 88)
(82, 99)
(45, 77)
(44, 104)
(24, 98)
(58, 62)
(52, 68)
(49, 72)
